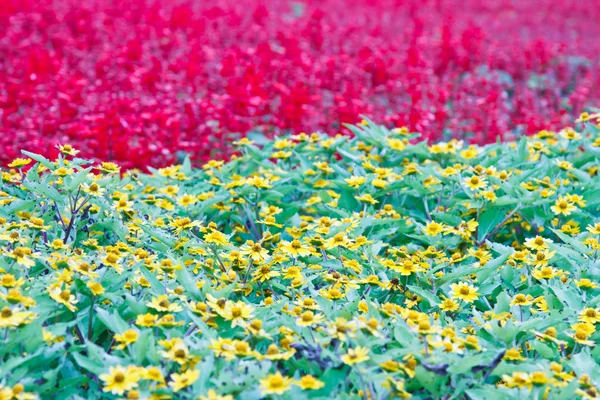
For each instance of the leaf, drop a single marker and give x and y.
(459, 273)
(77, 179)
(583, 363)
(187, 281)
(404, 337)
(19, 205)
(156, 284)
(348, 155)
(506, 333)
(487, 393)
(161, 237)
(490, 366)
(568, 297)
(87, 364)
(489, 219)
(544, 350)
(113, 321)
(347, 201)
(567, 392)
(39, 158)
(465, 364)
(45, 190)
(576, 244)
(431, 298)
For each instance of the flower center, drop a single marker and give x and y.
(119, 377)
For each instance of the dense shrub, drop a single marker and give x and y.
(308, 266)
(139, 81)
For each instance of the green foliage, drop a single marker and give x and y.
(309, 267)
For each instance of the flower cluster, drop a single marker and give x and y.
(146, 82)
(375, 266)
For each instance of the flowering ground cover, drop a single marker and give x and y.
(142, 82)
(308, 266)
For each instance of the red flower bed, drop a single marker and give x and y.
(142, 82)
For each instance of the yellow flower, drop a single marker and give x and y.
(356, 355)
(332, 293)
(295, 248)
(594, 229)
(475, 182)
(11, 318)
(119, 379)
(211, 394)
(67, 150)
(38, 224)
(581, 336)
(433, 228)
(162, 303)
(396, 144)
(570, 134)
(537, 243)
(366, 198)
(407, 267)
(271, 221)
(126, 338)
(518, 379)
(589, 315)
(183, 380)
(264, 273)
(355, 181)
(585, 117)
(153, 374)
(309, 382)
(563, 206)
(216, 237)
(109, 168)
(237, 313)
(9, 280)
(339, 240)
(20, 162)
(586, 283)
(513, 354)
(146, 320)
(540, 259)
(564, 165)
(469, 153)
(183, 224)
(308, 318)
(577, 199)
(255, 251)
(464, 291)
(489, 195)
(544, 273)
(258, 182)
(64, 297)
(62, 171)
(275, 384)
(522, 300)
(449, 305)
(177, 350)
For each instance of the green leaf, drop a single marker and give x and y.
(87, 364)
(487, 393)
(73, 182)
(347, 201)
(489, 219)
(544, 350)
(39, 158)
(112, 321)
(575, 244)
(45, 190)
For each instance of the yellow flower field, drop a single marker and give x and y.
(307, 267)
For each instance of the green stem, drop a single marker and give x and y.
(91, 318)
